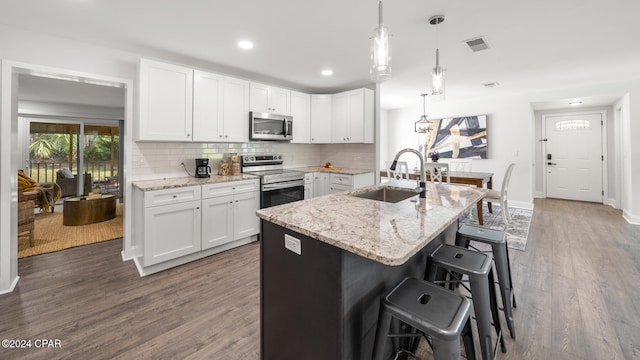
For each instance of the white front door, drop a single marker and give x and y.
(573, 157)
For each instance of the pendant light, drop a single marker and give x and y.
(423, 125)
(380, 51)
(437, 74)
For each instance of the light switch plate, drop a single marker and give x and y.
(292, 244)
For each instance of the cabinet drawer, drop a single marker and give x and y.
(229, 188)
(339, 188)
(171, 196)
(340, 179)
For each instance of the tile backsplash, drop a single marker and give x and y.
(155, 160)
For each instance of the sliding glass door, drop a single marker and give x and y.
(90, 150)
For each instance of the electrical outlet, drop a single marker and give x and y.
(292, 244)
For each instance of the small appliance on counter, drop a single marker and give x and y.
(203, 170)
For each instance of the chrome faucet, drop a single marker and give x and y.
(422, 186)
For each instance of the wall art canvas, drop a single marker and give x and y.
(461, 137)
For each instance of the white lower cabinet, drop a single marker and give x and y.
(229, 212)
(308, 185)
(320, 184)
(182, 224)
(217, 221)
(173, 231)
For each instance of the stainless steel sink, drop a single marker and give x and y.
(387, 195)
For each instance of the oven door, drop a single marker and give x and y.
(281, 193)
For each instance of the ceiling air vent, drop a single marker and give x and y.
(477, 44)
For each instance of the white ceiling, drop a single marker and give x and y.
(535, 44)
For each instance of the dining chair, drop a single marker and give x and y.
(400, 173)
(502, 196)
(460, 165)
(436, 171)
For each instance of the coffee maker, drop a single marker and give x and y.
(202, 168)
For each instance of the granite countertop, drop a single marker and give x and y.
(159, 184)
(344, 171)
(389, 233)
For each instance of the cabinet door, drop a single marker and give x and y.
(166, 108)
(355, 116)
(340, 118)
(321, 184)
(260, 98)
(280, 101)
(301, 113)
(207, 106)
(320, 119)
(217, 221)
(236, 110)
(171, 231)
(246, 222)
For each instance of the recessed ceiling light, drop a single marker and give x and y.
(327, 72)
(575, 103)
(491, 84)
(244, 44)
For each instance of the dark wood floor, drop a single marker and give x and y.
(577, 287)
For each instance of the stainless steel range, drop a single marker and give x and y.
(277, 185)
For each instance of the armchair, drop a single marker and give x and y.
(68, 186)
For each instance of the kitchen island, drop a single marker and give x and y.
(326, 261)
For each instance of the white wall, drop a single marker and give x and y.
(509, 133)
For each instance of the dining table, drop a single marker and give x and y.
(478, 179)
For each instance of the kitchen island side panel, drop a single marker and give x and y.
(324, 303)
(300, 298)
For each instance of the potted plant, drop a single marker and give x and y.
(96, 188)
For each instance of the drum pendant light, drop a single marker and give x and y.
(380, 51)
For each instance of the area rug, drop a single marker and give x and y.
(517, 231)
(50, 235)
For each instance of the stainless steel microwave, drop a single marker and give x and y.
(265, 126)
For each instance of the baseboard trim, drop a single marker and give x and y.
(152, 269)
(520, 205)
(630, 218)
(12, 287)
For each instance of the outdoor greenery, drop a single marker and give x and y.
(49, 152)
(54, 148)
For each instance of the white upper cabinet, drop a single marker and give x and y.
(182, 104)
(301, 113)
(208, 95)
(352, 120)
(166, 102)
(236, 110)
(270, 99)
(320, 119)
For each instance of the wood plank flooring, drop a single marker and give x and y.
(576, 286)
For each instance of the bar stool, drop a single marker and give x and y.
(456, 260)
(498, 242)
(439, 314)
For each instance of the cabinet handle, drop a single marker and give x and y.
(188, 135)
(175, 196)
(226, 136)
(198, 208)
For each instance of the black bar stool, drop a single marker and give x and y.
(498, 242)
(457, 260)
(439, 314)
